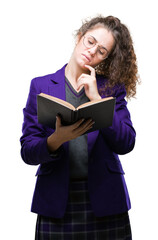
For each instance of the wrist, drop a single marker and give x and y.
(53, 142)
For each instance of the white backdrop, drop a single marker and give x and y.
(36, 39)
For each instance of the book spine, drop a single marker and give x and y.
(74, 116)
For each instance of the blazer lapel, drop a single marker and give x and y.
(57, 89)
(57, 86)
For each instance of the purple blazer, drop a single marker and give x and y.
(106, 183)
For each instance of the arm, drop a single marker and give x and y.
(37, 145)
(34, 148)
(121, 135)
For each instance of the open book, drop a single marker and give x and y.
(101, 111)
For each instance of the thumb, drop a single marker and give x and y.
(58, 121)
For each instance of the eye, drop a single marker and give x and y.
(90, 42)
(102, 52)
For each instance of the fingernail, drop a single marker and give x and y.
(92, 121)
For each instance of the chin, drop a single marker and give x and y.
(87, 63)
(82, 64)
(85, 69)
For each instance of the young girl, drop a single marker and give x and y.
(80, 191)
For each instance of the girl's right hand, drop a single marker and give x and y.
(66, 133)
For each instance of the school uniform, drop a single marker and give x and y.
(92, 202)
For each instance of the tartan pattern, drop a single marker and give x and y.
(79, 222)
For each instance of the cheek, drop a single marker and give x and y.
(80, 48)
(77, 51)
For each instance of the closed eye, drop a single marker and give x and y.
(90, 42)
(102, 52)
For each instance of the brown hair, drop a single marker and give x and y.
(120, 67)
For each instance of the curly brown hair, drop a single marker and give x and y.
(120, 67)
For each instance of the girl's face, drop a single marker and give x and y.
(93, 47)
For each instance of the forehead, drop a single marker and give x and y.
(103, 36)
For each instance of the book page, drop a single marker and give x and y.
(58, 100)
(93, 102)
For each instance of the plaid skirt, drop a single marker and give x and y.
(80, 223)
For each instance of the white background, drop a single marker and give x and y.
(36, 39)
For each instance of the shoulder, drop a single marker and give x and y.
(44, 81)
(101, 80)
(115, 91)
(41, 83)
(119, 90)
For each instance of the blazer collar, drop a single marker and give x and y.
(57, 88)
(59, 76)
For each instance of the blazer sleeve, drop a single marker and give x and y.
(121, 135)
(34, 149)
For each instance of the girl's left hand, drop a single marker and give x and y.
(90, 84)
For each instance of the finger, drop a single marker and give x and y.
(91, 69)
(83, 76)
(58, 121)
(87, 124)
(84, 127)
(83, 84)
(83, 81)
(84, 130)
(77, 124)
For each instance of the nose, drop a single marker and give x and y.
(93, 50)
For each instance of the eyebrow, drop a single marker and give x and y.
(100, 45)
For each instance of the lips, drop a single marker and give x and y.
(86, 57)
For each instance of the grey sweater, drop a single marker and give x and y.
(78, 149)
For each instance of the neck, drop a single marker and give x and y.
(73, 71)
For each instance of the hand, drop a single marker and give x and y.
(90, 84)
(66, 133)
